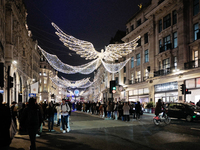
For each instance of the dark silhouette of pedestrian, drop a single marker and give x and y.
(50, 116)
(33, 118)
(5, 116)
(138, 110)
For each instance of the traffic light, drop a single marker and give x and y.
(112, 86)
(114, 89)
(10, 82)
(187, 91)
(183, 88)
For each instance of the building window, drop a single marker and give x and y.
(175, 40)
(175, 63)
(167, 42)
(166, 65)
(124, 69)
(160, 25)
(132, 78)
(195, 7)
(124, 80)
(196, 30)
(139, 42)
(127, 31)
(138, 59)
(146, 38)
(160, 43)
(139, 76)
(139, 22)
(196, 58)
(45, 81)
(160, 65)
(146, 74)
(132, 27)
(146, 56)
(167, 21)
(116, 81)
(174, 17)
(132, 62)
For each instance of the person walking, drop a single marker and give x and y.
(138, 110)
(50, 116)
(116, 110)
(108, 109)
(126, 112)
(64, 115)
(101, 110)
(14, 112)
(32, 117)
(4, 125)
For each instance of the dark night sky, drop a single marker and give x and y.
(95, 21)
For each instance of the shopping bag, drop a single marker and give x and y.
(13, 129)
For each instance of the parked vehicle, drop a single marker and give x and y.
(183, 110)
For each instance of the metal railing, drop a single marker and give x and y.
(165, 47)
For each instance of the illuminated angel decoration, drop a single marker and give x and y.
(84, 83)
(86, 49)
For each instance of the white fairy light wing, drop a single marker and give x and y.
(83, 48)
(115, 51)
(58, 65)
(113, 68)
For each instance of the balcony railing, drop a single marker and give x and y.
(163, 72)
(191, 64)
(165, 47)
(138, 80)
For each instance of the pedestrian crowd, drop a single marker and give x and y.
(30, 118)
(112, 110)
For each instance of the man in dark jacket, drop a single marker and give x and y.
(5, 116)
(32, 117)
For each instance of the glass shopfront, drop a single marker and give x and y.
(168, 92)
(141, 95)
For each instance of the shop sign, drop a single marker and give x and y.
(166, 87)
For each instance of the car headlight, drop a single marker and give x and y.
(197, 113)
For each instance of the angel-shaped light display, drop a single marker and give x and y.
(86, 49)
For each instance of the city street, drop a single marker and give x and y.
(90, 132)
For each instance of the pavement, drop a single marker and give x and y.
(81, 122)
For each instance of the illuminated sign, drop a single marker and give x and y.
(76, 92)
(166, 87)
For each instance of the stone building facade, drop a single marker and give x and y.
(20, 54)
(20, 57)
(167, 54)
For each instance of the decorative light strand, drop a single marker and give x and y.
(84, 83)
(113, 68)
(58, 65)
